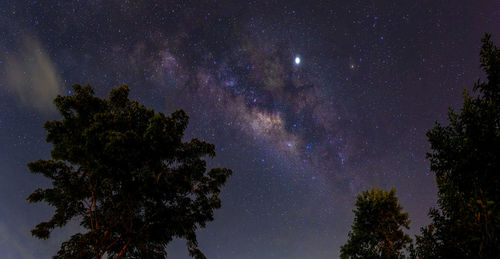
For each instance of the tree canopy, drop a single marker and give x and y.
(377, 230)
(124, 172)
(465, 156)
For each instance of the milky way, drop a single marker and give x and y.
(308, 102)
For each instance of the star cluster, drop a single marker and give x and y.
(308, 102)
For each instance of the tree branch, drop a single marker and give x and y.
(122, 251)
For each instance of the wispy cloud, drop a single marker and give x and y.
(10, 244)
(31, 76)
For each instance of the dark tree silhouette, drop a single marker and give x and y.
(377, 228)
(124, 172)
(466, 159)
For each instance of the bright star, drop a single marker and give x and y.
(297, 60)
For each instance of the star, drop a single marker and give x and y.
(297, 60)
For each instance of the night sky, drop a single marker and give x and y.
(308, 102)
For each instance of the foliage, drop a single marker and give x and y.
(124, 172)
(377, 229)
(466, 159)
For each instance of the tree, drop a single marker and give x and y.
(377, 228)
(124, 172)
(465, 156)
